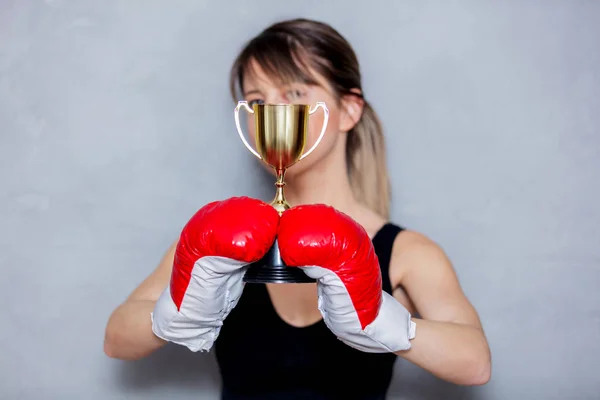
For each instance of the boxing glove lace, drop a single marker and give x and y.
(336, 251)
(215, 248)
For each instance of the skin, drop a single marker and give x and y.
(449, 343)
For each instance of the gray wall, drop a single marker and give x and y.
(106, 112)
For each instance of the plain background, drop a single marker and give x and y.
(116, 126)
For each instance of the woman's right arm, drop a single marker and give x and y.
(129, 333)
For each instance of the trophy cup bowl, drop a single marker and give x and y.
(280, 133)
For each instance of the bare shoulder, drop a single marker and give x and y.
(414, 250)
(421, 267)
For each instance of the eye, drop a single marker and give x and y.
(251, 103)
(294, 94)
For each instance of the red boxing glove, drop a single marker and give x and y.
(336, 251)
(212, 255)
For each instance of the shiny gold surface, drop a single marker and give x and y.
(280, 135)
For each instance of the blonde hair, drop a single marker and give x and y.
(367, 163)
(282, 50)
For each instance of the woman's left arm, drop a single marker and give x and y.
(449, 341)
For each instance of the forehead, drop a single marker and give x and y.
(257, 75)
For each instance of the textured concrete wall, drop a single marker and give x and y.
(115, 126)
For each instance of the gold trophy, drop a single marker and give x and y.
(280, 136)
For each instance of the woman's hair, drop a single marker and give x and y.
(289, 50)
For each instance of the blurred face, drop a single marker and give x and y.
(261, 89)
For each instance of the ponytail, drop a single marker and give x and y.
(367, 165)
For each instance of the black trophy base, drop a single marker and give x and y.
(272, 269)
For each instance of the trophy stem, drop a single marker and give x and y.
(271, 268)
(279, 202)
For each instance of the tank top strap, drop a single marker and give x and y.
(383, 242)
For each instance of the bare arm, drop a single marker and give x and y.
(129, 333)
(450, 342)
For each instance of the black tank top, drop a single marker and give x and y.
(262, 357)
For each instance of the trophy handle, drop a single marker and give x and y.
(326, 119)
(236, 113)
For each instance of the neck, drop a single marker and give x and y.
(320, 186)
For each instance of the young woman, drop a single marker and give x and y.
(338, 337)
